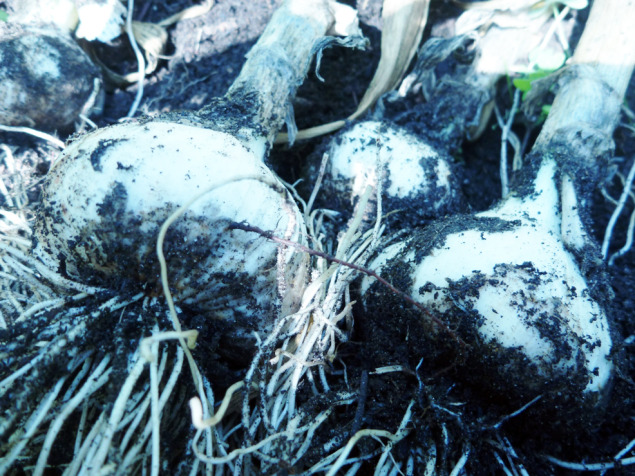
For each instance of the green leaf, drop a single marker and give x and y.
(543, 73)
(547, 59)
(4, 16)
(524, 84)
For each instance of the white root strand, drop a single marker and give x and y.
(590, 466)
(96, 380)
(505, 137)
(140, 61)
(35, 133)
(117, 413)
(615, 215)
(31, 426)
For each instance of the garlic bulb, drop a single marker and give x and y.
(506, 281)
(418, 182)
(522, 284)
(47, 79)
(59, 13)
(109, 193)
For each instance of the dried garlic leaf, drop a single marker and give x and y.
(150, 36)
(190, 12)
(404, 21)
(403, 25)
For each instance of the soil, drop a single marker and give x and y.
(203, 56)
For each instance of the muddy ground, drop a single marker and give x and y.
(203, 57)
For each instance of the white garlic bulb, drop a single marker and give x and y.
(110, 191)
(59, 13)
(508, 285)
(418, 182)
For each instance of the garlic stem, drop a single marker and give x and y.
(279, 61)
(602, 67)
(607, 43)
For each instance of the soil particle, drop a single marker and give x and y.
(95, 155)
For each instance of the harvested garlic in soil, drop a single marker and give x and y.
(418, 183)
(506, 282)
(108, 195)
(110, 192)
(523, 284)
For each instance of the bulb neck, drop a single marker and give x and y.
(278, 63)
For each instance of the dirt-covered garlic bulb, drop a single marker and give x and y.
(47, 79)
(109, 193)
(506, 282)
(418, 182)
(521, 286)
(59, 13)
